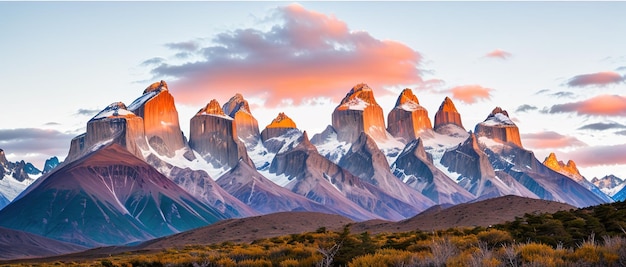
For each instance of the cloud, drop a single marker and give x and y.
(25, 141)
(596, 79)
(470, 93)
(550, 140)
(153, 61)
(304, 55)
(563, 94)
(52, 123)
(622, 68)
(525, 108)
(599, 155)
(189, 46)
(542, 91)
(602, 105)
(601, 126)
(87, 112)
(621, 132)
(498, 54)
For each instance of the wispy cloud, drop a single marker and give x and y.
(469, 93)
(550, 140)
(596, 79)
(188, 46)
(304, 55)
(153, 61)
(601, 126)
(525, 108)
(602, 105)
(501, 54)
(26, 141)
(87, 112)
(599, 155)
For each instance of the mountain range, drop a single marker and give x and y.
(133, 176)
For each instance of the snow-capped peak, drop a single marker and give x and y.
(115, 109)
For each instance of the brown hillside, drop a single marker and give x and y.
(482, 213)
(252, 228)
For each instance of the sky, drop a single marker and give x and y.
(558, 68)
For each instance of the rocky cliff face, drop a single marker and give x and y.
(447, 114)
(247, 126)
(114, 124)
(367, 161)
(358, 112)
(499, 128)
(416, 169)
(279, 126)
(324, 182)
(50, 164)
(408, 120)
(258, 192)
(160, 118)
(477, 175)
(214, 136)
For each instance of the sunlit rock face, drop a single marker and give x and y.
(499, 127)
(279, 126)
(408, 120)
(247, 126)
(358, 112)
(213, 135)
(568, 169)
(446, 115)
(114, 124)
(160, 117)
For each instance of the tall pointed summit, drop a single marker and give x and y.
(214, 136)
(358, 112)
(499, 127)
(408, 120)
(157, 108)
(247, 126)
(447, 115)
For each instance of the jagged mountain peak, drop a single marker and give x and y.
(157, 86)
(568, 169)
(497, 110)
(407, 96)
(498, 116)
(3, 158)
(305, 143)
(359, 97)
(447, 105)
(113, 110)
(235, 104)
(212, 108)
(447, 114)
(282, 121)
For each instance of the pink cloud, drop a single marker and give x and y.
(602, 105)
(305, 55)
(499, 54)
(599, 155)
(550, 140)
(596, 79)
(470, 93)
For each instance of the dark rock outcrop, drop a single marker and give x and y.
(408, 120)
(114, 124)
(213, 134)
(416, 169)
(279, 126)
(247, 126)
(447, 114)
(50, 164)
(367, 161)
(160, 118)
(358, 112)
(499, 127)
